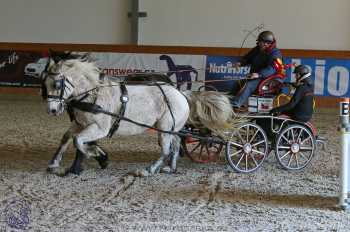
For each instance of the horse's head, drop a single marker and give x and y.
(57, 86)
(66, 80)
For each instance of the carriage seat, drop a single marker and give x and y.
(271, 85)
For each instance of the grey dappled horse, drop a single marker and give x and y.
(98, 99)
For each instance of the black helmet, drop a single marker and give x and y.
(301, 70)
(266, 36)
(304, 74)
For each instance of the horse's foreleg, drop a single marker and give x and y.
(54, 164)
(81, 141)
(76, 166)
(102, 157)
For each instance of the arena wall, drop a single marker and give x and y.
(321, 101)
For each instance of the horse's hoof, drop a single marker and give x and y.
(56, 171)
(140, 173)
(74, 171)
(102, 161)
(168, 170)
(153, 171)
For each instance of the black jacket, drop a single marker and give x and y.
(261, 62)
(300, 107)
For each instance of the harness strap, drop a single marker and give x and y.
(124, 100)
(168, 105)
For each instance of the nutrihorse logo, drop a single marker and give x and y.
(17, 214)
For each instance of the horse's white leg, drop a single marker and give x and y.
(54, 164)
(175, 149)
(165, 140)
(91, 133)
(174, 155)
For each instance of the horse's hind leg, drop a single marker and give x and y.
(165, 140)
(174, 155)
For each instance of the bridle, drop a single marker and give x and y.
(62, 85)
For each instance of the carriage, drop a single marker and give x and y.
(248, 145)
(88, 96)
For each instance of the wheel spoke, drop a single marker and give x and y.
(302, 155)
(259, 152)
(237, 152)
(207, 148)
(247, 135)
(201, 151)
(296, 160)
(285, 139)
(240, 137)
(256, 144)
(246, 162)
(195, 148)
(306, 148)
(287, 153)
(256, 163)
(236, 144)
(293, 137)
(283, 147)
(309, 137)
(301, 131)
(290, 160)
(239, 161)
(253, 137)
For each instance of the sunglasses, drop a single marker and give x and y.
(265, 42)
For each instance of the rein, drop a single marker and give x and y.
(74, 103)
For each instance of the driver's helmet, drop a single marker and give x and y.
(301, 70)
(304, 73)
(266, 36)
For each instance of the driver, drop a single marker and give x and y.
(264, 60)
(300, 107)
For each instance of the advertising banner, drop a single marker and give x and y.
(20, 69)
(331, 76)
(23, 69)
(182, 69)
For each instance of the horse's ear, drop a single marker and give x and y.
(54, 56)
(58, 56)
(86, 57)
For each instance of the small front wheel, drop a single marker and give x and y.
(201, 151)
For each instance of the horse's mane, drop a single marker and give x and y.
(86, 68)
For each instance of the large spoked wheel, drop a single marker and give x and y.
(247, 148)
(201, 151)
(295, 147)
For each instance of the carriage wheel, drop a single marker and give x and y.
(200, 151)
(247, 148)
(295, 147)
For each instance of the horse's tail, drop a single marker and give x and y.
(209, 109)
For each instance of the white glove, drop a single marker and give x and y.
(253, 75)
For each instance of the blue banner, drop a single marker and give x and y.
(331, 76)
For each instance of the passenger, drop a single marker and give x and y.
(300, 107)
(265, 59)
